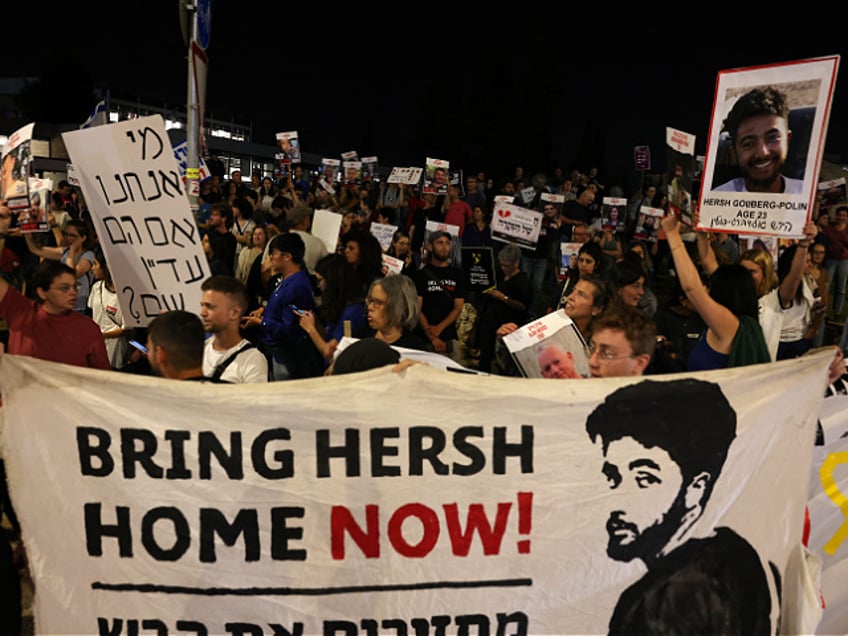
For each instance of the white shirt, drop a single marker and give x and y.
(248, 367)
(315, 249)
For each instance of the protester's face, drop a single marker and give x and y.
(554, 362)
(612, 356)
(402, 246)
(613, 215)
(762, 143)
(650, 193)
(71, 235)
(586, 264)
(97, 270)
(215, 218)
(217, 311)
(550, 210)
(509, 188)
(579, 234)
(817, 254)
(61, 296)
(646, 506)
(842, 217)
(756, 271)
(153, 358)
(351, 252)
(376, 306)
(258, 237)
(441, 248)
(580, 303)
(630, 294)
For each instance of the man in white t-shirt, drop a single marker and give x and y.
(227, 355)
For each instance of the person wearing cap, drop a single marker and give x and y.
(287, 346)
(441, 295)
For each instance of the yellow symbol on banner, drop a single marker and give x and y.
(832, 490)
(477, 258)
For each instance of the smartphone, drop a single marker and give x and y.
(296, 309)
(139, 346)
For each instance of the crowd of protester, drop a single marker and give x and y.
(279, 302)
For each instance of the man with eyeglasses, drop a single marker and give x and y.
(49, 328)
(622, 344)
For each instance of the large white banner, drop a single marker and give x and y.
(415, 502)
(828, 507)
(134, 188)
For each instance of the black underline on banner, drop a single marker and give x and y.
(150, 588)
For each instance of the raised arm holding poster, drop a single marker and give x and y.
(765, 147)
(680, 147)
(550, 347)
(131, 182)
(289, 147)
(34, 218)
(436, 178)
(533, 507)
(14, 168)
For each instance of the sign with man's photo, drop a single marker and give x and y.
(765, 147)
(550, 347)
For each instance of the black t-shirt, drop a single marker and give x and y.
(438, 287)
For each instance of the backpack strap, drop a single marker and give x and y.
(219, 370)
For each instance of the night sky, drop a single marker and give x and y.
(483, 93)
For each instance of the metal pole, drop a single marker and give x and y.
(192, 119)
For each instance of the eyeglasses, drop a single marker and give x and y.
(66, 287)
(375, 301)
(605, 354)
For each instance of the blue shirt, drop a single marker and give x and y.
(279, 322)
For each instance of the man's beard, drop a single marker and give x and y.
(648, 543)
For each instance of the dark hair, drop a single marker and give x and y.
(289, 242)
(48, 271)
(180, 333)
(651, 413)
(733, 286)
(243, 206)
(600, 297)
(624, 272)
(81, 227)
(370, 265)
(759, 101)
(639, 328)
(341, 289)
(593, 249)
(229, 285)
(225, 211)
(363, 355)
